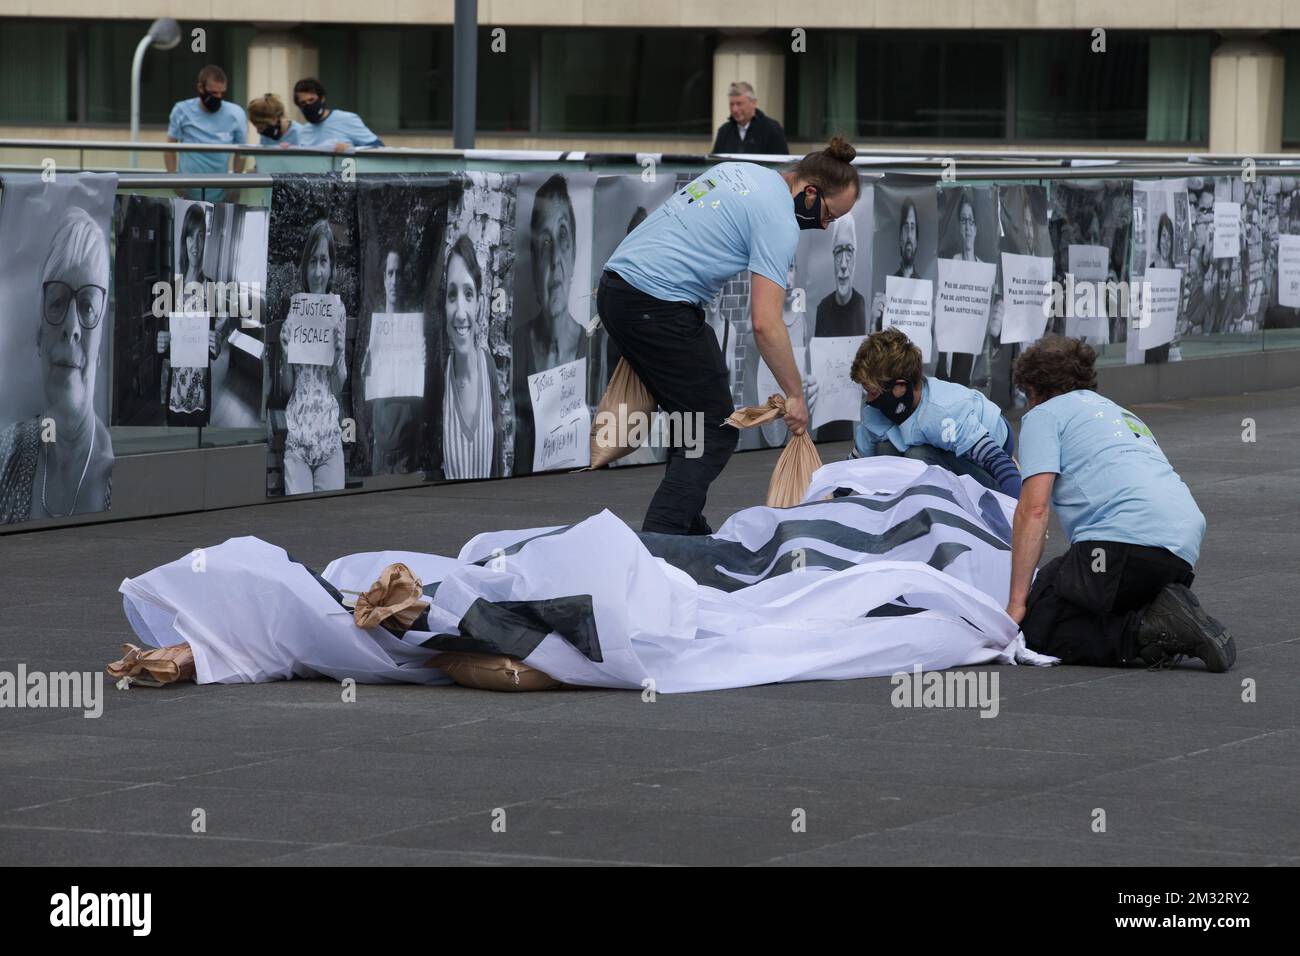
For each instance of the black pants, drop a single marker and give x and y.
(1085, 606)
(675, 354)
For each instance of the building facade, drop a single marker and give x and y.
(619, 75)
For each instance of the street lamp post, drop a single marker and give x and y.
(164, 33)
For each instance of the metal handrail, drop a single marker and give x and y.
(921, 154)
(263, 181)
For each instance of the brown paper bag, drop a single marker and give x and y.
(154, 666)
(799, 459)
(624, 395)
(393, 602)
(493, 672)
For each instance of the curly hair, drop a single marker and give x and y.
(885, 356)
(1055, 365)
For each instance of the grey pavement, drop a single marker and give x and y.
(1186, 771)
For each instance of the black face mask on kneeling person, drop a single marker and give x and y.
(896, 409)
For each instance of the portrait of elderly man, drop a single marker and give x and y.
(842, 312)
(552, 336)
(749, 130)
(60, 462)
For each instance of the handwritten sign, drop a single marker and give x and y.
(1026, 293)
(961, 310)
(312, 319)
(561, 418)
(1288, 271)
(1157, 309)
(396, 356)
(189, 339)
(909, 306)
(1227, 230)
(839, 398)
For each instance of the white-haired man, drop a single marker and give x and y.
(749, 130)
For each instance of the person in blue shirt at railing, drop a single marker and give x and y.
(266, 113)
(206, 118)
(940, 423)
(328, 128)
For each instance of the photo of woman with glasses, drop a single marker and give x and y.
(187, 392)
(313, 448)
(60, 461)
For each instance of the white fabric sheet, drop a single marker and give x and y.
(775, 595)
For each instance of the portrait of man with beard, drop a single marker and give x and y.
(907, 242)
(552, 336)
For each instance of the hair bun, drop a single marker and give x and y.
(840, 149)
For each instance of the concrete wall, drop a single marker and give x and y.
(890, 14)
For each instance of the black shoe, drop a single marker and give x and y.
(699, 525)
(1174, 626)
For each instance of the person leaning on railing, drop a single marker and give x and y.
(266, 113)
(206, 118)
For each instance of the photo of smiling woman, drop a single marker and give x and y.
(60, 461)
(313, 448)
(470, 436)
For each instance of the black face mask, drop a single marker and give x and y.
(312, 111)
(892, 407)
(211, 102)
(272, 132)
(808, 218)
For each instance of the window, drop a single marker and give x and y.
(625, 81)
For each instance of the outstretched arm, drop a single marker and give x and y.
(1028, 531)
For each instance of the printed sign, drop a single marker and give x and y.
(1026, 293)
(909, 306)
(961, 311)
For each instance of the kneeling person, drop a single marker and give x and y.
(1119, 596)
(941, 423)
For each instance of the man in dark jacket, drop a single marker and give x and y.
(749, 130)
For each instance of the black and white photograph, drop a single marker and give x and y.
(1091, 225)
(833, 282)
(312, 298)
(1162, 240)
(619, 205)
(904, 257)
(395, 393)
(968, 246)
(142, 264)
(1025, 250)
(551, 318)
(56, 453)
(235, 263)
(474, 421)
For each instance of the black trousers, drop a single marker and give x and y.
(1085, 606)
(674, 352)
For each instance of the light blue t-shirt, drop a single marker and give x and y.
(736, 216)
(191, 123)
(290, 137)
(950, 416)
(1114, 484)
(338, 126)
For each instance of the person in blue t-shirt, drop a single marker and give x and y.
(206, 118)
(328, 128)
(734, 217)
(266, 113)
(1119, 596)
(941, 423)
